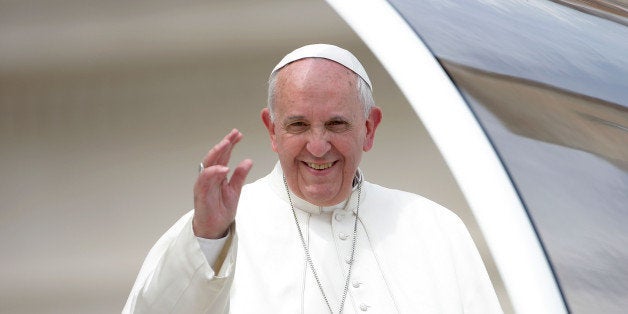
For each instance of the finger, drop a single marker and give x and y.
(239, 175)
(215, 156)
(210, 178)
(226, 155)
(214, 153)
(234, 136)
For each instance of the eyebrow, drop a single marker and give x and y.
(338, 118)
(293, 118)
(301, 117)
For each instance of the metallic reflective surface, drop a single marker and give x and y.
(549, 85)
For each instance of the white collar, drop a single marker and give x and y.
(277, 184)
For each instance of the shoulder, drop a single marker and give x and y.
(383, 195)
(408, 204)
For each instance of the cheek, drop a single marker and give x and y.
(350, 149)
(288, 146)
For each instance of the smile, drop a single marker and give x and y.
(320, 166)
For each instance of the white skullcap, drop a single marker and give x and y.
(329, 52)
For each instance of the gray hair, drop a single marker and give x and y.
(364, 94)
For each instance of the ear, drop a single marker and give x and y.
(270, 126)
(373, 120)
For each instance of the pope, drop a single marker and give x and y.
(313, 236)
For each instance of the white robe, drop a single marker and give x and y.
(412, 256)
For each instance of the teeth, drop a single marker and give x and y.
(320, 166)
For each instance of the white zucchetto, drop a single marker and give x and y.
(329, 52)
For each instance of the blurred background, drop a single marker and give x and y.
(106, 108)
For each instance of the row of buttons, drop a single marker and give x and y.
(343, 236)
(363, 307)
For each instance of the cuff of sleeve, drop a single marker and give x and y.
(212, 248)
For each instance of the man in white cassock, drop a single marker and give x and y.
(313, 236)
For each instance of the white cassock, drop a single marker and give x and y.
(411, 256)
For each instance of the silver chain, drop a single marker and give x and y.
(307, 251)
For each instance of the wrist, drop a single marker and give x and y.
(208, 233)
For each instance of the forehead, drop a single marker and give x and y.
(313, 69)
(316, 83)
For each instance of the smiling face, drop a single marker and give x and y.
(319, 130)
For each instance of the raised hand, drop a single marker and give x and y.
(216, 197)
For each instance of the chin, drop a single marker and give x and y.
(325, 197)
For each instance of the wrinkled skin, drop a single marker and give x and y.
(319, 131)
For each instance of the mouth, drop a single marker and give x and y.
(319, 166)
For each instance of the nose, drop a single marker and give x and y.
(318, 144)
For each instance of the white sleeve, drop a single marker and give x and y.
(177, 278)
(212, 248)
(478, 295)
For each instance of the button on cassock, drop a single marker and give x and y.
(339, 216)
(343, 236)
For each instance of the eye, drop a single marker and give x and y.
(297, 127)
(337, 125)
